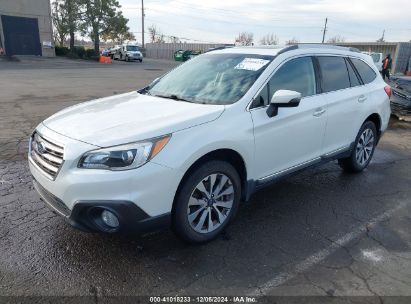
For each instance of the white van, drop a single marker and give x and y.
(128, 52)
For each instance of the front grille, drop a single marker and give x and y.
(47, 155)
(53, 202)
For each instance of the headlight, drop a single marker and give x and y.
(123, 157)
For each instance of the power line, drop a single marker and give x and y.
(180, 38)
(237, 23)
(221, 14)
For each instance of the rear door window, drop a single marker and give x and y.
(334, 73)
(367, 74)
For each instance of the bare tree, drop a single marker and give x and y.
(269, 39)
(292, 41)
(153, 32)
(155, 35)
(161, 38)
(336, 39)
(245, 38)
(174, 39)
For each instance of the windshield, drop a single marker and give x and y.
(132, 48)
(212, 78)
(375, 57)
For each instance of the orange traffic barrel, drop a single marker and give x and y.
(104, 59)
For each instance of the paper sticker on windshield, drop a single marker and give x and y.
(251, 64)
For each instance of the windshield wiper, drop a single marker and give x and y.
(174, 97)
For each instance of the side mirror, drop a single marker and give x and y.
(283, 99)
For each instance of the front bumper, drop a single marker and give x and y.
(142, 198)
(85, 215)
(134, 57)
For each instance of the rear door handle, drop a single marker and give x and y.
(319, 112)
(362, 98)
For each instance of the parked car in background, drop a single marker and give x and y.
(105, 52)
(184, 55)
(128, 52)
(377, 58)
(114, 50)
(184, 151)
(401, 96)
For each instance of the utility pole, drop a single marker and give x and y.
(325, 29)
(142, 23)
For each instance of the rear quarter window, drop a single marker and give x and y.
(353, 77)
(367, 74)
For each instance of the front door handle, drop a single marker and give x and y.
(362, 98)
(319, 112)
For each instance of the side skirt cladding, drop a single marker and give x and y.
(253, 186)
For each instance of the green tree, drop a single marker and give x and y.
(101, 17)
(60, 22)
(66, 16)
(118, 32)
(74, 17)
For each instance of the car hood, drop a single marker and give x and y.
(129, 117)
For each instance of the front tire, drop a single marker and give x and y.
(363, 150)
(207, 202)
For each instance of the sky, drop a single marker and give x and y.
(220, 21)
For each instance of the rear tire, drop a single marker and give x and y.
(207, 202)
(363, 150)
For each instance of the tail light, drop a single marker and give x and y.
(388, 90)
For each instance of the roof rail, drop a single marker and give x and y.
(318, 46)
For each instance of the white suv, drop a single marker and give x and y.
(184, 151)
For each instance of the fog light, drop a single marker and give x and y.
(110, 219)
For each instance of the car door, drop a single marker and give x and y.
(344, 95)
(293, 137)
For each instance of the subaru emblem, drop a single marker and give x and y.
(41, 148)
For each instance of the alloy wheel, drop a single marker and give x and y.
(365, 147)
(210, 203)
